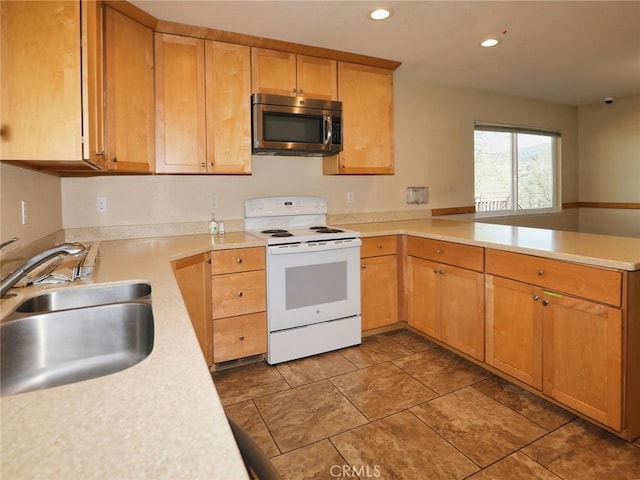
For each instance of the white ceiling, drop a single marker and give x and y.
(567, 52)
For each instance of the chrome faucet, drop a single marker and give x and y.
(10, 280)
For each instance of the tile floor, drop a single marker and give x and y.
(400, 407)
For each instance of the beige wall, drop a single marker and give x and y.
(43, 195)
(609, 167)
(434, 147)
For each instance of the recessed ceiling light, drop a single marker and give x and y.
(489, 42)
(380, 14)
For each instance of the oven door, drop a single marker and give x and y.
(312, 282)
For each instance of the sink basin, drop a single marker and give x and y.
(57, 348)
(84, 297)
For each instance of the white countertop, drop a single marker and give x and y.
(162, 418)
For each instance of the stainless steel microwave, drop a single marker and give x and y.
(299, 126)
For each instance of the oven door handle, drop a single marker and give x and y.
(306, 247)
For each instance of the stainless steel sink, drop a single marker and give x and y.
(58, 347)
(84, 297)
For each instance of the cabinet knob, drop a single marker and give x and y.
(379, 245)
(364, 267)
(242, 338)
(239, 261)
(439, 251)
(294, 90)
(99, 154)
(545, 302)
(240, 294)
(211, 164)
(114, 159)
(203, 164)
(536, 297)
(438, 272)
(539, 272)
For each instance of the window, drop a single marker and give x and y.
(515, 169)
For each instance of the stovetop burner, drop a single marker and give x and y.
(293, 219)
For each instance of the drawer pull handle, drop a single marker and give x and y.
(439, 251)
(242, 338)
(239, 261)
(539, 272)
(536, 297)
(240, 294)
(438, 272)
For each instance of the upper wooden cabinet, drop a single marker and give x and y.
(44, 79)
(284, 73)
(366, 94)
(203, 116)
(130, 119)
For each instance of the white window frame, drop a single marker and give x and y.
(557, 190)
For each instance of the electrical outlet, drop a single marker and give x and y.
(24, 210)
(349, 197)
(213, 201)
(101, 204)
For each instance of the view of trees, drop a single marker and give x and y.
(498, 155)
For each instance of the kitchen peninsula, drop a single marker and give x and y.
(163, 418)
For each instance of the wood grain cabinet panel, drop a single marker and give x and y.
(379, 281)
(435, 291)
(193, 275)
(568, 346)
(366, 94)
(237, 337)
(49, 93)
(290, 74)
(465, 256)
(599, 284)
(238, 299)
(130, 102)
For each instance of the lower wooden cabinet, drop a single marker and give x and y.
(193, 275)
(238, 299)
(241, 336)
(446, 293)
(582, 356)
(379, 281)
(542, 333)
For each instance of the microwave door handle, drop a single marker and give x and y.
(327, 130)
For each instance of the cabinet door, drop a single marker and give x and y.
(228, 89)
(461, 296)
(367, 121)
(514, 329)
(273, 72)
(193, 275)
(180, 104)
(582, 356)
(316, 77)
(423, 297)
(41, 83)
(130, 121)
(379, 283)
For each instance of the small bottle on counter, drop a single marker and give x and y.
(220, 228)
(213, 225)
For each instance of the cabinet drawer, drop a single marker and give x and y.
(465, 256)
(594, 283)
(238, 293)
(378, 246)
(238, 337)
(237, 260)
